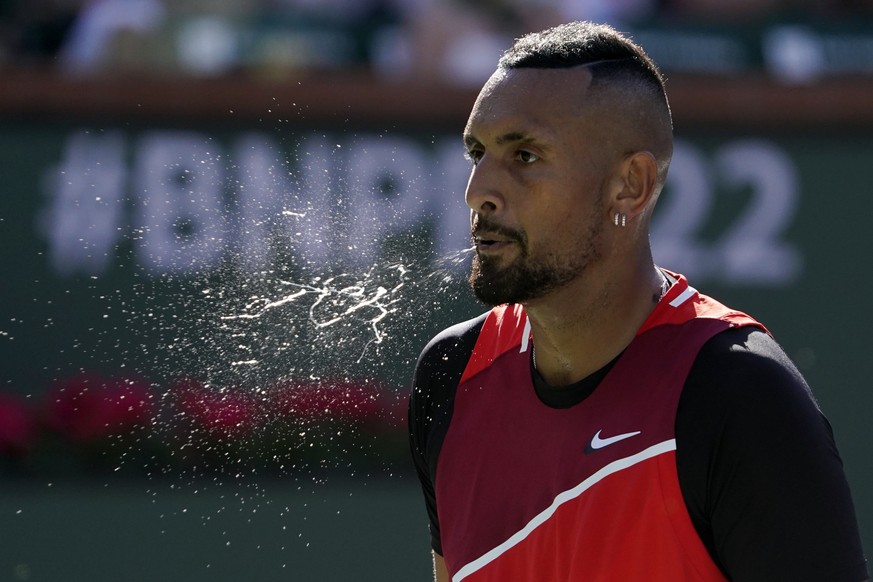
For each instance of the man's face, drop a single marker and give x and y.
(541, 164)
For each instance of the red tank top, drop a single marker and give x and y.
(587, 493)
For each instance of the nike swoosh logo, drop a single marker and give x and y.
(597, 442)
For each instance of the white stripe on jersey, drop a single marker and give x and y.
(525, 335)
(683, 297)
(560, 499)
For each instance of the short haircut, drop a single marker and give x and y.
(613, 59)
(604, 49)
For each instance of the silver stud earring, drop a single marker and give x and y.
(619, 219)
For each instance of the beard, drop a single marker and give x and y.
(527, 278)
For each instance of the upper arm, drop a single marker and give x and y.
(436, 377)
(762, 477)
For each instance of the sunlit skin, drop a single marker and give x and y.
(555, 162)
(527, 168)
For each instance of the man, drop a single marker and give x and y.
(605, 421)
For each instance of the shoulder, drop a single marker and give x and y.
(744, 371)
(437, 373)
(755, 457)
(439, 369)
(449, 346)
(745, 386)
(748, 345)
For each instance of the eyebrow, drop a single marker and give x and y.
(510, 137)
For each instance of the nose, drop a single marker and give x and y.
(483, 195)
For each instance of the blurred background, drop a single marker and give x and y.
(228, 227)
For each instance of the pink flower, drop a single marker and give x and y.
(326, 400)
(89, 407)
(226, 412)
(18, 427)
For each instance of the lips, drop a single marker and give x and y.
(490, 236)
(489, 239)
(487, 242)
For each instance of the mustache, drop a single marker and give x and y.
(481, 224)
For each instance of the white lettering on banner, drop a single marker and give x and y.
(446, 198)
(315, 233)
(180, 212)
(752, 249)
(82, 222)
(271, 203)
(262, 188)
(684, 206)
(387, 192)
(335, 201)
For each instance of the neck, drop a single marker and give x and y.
(580, 328)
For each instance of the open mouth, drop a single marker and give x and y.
(488, 242)
(491, 237)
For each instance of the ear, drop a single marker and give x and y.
(639, 180)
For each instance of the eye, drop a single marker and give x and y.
(473, 155)
(527, 157)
